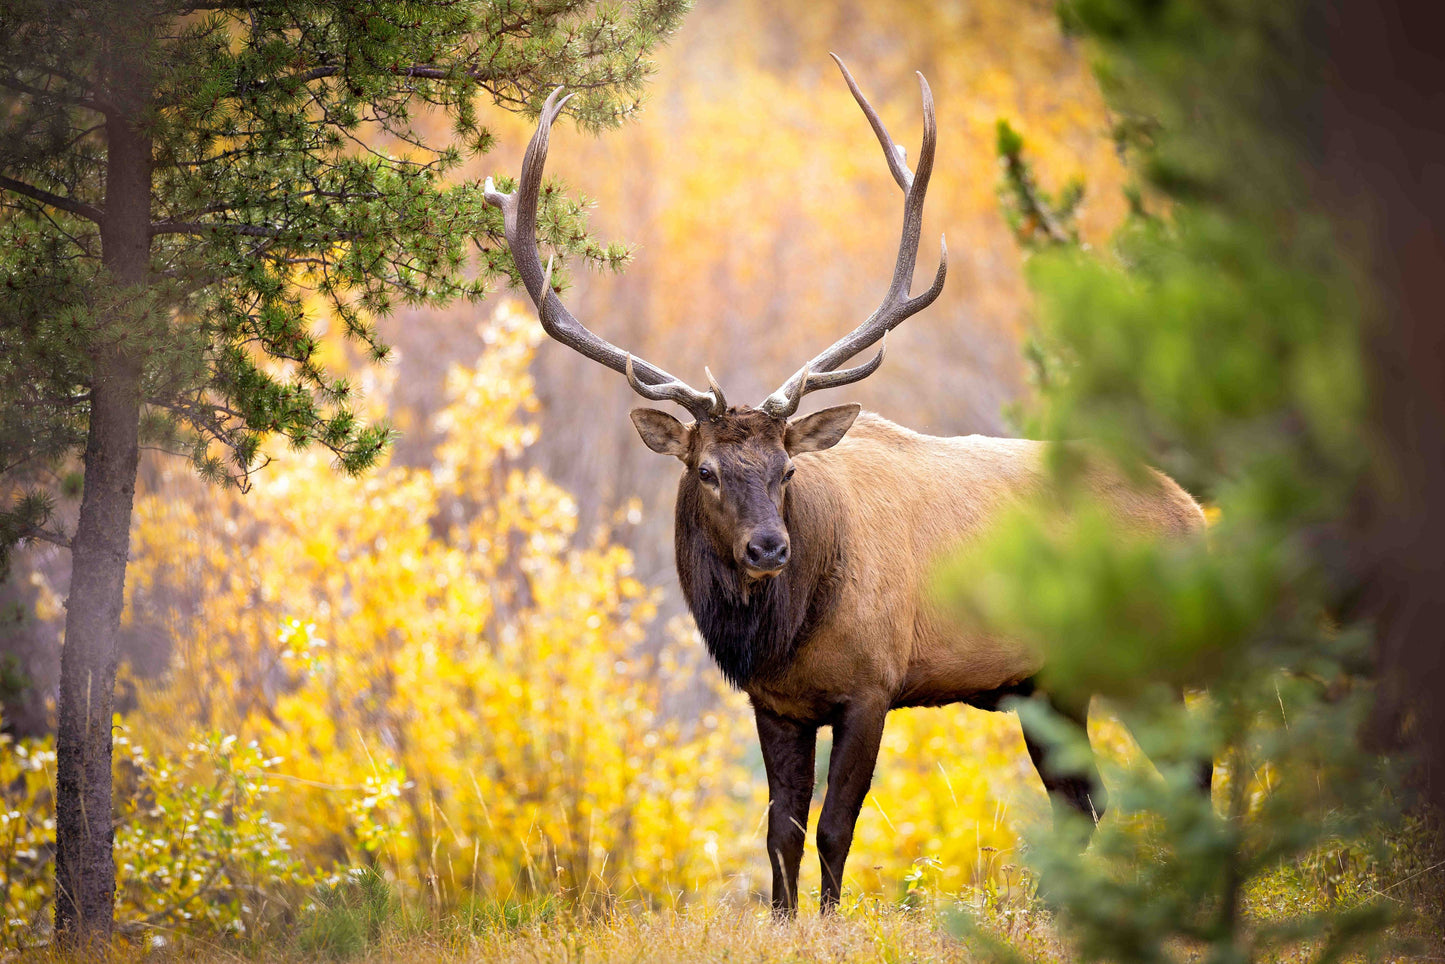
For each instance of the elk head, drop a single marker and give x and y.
(740, 465)
(740, 458)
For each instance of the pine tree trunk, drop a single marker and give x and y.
(85, 864)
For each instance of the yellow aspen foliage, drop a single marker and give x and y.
(452, 681)
(952, 787)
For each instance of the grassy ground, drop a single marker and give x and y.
(706, 936)
(867, 933)
(365, 921)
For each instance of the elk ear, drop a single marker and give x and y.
(663, 434)
(821, 430)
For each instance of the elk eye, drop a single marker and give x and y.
(706, 474)
(788, 475)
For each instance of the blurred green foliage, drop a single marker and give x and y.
(1220, 340)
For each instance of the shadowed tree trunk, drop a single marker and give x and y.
(1382, 112)
(85, 865)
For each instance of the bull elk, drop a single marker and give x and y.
(804, 544)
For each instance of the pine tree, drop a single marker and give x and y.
(1223, 337)
(177, 178)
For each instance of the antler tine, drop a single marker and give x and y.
(674, 391)
(519, 218)
(721, 402)
(897, 307)
(813, 381)
(897, 160)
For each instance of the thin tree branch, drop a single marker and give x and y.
(423, 71)
(89, 103)
(203, 228)
(45, 535)
(78, 208)
(1029, 200)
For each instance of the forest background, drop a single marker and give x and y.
(468, 669)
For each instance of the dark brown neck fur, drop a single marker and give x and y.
(753, 628)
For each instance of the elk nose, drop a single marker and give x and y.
(767, 552)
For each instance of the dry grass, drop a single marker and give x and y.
(871, 931)
(746, 935)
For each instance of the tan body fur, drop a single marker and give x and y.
(906, 500)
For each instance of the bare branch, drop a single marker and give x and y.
(40, 93)
(78, 208)
(204, 228)
(45, 535)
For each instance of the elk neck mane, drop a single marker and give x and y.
(753, 628)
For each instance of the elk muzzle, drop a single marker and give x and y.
(764, 553)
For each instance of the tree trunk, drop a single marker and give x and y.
(85, 864)
(1382, 110)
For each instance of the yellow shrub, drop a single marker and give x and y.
(27, 831)
(951, 787)
(434, 646)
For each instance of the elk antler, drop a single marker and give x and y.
(896, 306)
(519, 217)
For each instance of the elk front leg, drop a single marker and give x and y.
(850, 772)
(788, 750)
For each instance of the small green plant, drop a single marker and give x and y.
(481, 916)
(920, 884)
(346, 917)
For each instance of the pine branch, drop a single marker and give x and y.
(1034, 211)
(421, 71)
(203, 228)
(89, 103)
(78, 208)
(1030, 202)
(45, 535)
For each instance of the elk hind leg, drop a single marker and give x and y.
(1071, 790)
(1204, 769)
